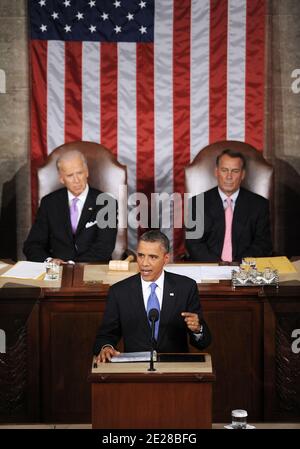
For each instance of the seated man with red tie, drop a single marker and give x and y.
(236, 221)
(66, 226)
(175, 298)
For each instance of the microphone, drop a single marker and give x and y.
(153, 316)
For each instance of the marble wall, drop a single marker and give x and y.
(283, 120)
(282, 124)
(14, 126)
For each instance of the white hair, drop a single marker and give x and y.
(69, 155)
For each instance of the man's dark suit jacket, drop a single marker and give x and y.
(125, 316)
(251, 233)
(51, 234)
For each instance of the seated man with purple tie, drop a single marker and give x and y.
(236, 221)
(175, 297)
(66, 226)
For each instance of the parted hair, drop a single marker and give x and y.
(156, 236)
(234, 154)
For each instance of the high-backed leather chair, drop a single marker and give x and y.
(105, 174)
(199, 174)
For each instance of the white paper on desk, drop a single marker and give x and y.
(3, 265)
(26, 270)
(203, 272)
(216, 272)
(190, 271)
(133, 357)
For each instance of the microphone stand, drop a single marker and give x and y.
(151, 367)
(153, 342)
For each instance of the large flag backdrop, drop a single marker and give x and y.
(154, 81)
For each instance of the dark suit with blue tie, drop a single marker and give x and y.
(125, 316)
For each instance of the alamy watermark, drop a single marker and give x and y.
(296, 83)
(2, 342)
(161, 210)
(296, 343)
(2, 82)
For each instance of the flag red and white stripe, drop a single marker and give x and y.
(155, 105)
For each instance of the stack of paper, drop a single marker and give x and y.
(133, 357)
(26, 270)
(282, 264)
(202, 272)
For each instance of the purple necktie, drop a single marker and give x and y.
(153, 303)
(74, 214)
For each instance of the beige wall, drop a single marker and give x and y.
(14, 119)
(283, 120)
(282, 124)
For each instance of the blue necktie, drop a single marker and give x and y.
(153, 303)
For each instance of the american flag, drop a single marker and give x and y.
(154, 81)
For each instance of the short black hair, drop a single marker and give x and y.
(156, 235)
(234, 154)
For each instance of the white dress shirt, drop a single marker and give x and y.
(159, 293)
(233, 198)
(159, 289)
(80, 203)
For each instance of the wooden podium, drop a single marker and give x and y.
(178, 395)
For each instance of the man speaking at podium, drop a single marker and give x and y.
(175, 297)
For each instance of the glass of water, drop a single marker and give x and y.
(52, 271)
(239, 419)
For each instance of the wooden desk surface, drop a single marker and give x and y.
(161, 367)
(247, 324)
(94, 280)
